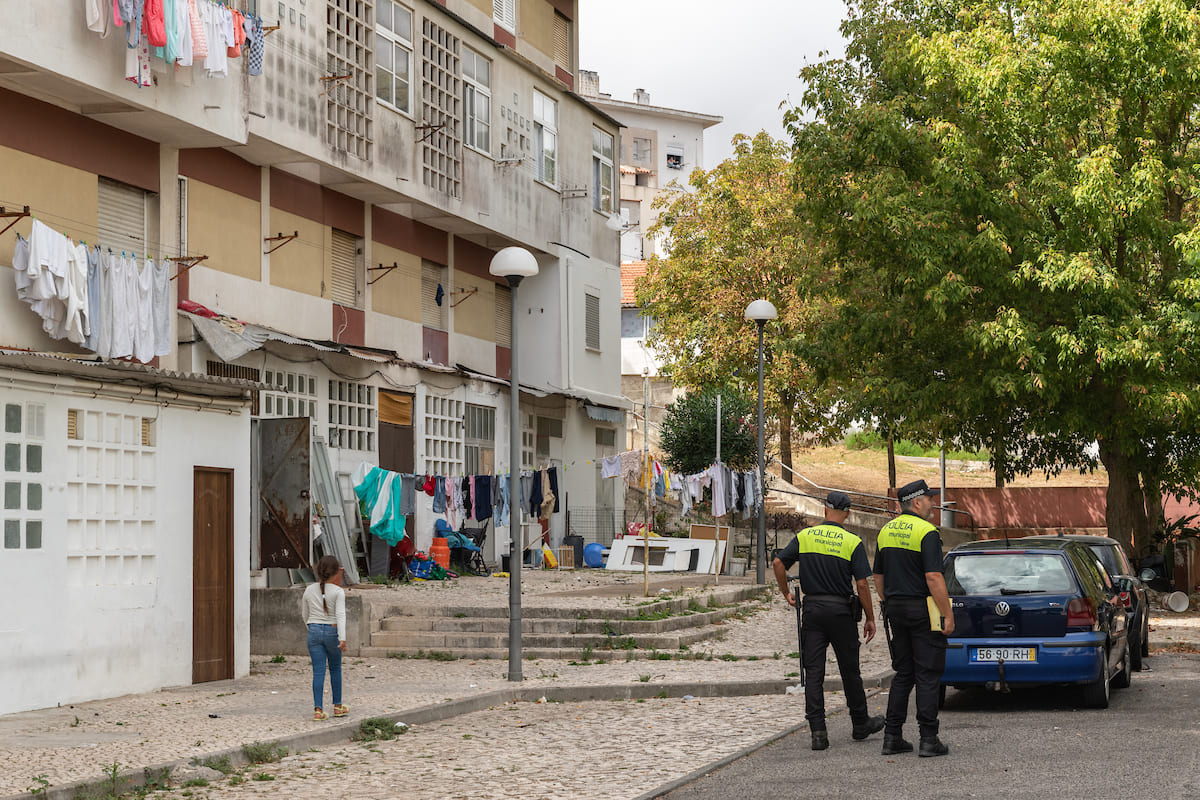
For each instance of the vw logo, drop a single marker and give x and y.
(1002, 609)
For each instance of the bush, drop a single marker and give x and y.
(264, 752)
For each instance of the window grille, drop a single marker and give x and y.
(441, 97)
(349, 39)
(443, 436)
(351, 416)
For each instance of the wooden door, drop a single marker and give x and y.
(212, 574)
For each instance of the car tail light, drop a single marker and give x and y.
(1081, 613)
(1127, 599)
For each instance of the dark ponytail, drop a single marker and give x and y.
(327, 567)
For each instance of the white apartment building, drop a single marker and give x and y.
(659, 149)
(332, 221)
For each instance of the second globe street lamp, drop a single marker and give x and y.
(760, 311)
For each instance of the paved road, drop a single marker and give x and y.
(1033, 744)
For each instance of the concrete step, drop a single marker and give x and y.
(433, 640)
(684, 619)
(527, 653)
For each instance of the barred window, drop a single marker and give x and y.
(351, 415)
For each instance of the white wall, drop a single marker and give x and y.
(71, 637)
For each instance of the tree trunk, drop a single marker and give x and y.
(999, 459)
(891, 462)
(785, 438)
(1144, 537)
(1125, 512)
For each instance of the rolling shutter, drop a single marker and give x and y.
(591, 321)
(433, 315)
(344, 280)
(562, 41)
(503, 316)
(121, 219)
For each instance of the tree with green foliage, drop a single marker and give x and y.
(735, 238)
(1005, 192)
(689, 431)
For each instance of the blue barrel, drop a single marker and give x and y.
(593, 554)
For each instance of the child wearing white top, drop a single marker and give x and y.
(323, 608)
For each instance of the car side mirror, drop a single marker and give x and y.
(1147, 574)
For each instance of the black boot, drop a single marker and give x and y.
(820, 740)
(894, 745)
(932, 746)
(866, 728)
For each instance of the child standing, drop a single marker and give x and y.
(324, 611)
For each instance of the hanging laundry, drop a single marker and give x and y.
(610, 467)
(549, 498)
(376, 488)
(93, 309)
(131, 12)
(199, 35)
(161, 308)
(143, 329)
(439, 494)
(408, 494)
(183, 28)
(468, 498)
(483, 497)
(98, 18)
(720, 494)
(255, 46)
(535, 495)
(238, 32)
(552, 473)
(154, 27)
(503, 507)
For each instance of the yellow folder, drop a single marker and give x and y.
(937, 622)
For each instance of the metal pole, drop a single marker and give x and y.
(649, 481)
(516, 550)
(717, 550)
(760, 569)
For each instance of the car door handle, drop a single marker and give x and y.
(1003, 628)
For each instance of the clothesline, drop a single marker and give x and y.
(390, 497)
(732, 491)
(93, 297)
(180, 34)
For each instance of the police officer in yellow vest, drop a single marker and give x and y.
(908, 570)
(830, 560)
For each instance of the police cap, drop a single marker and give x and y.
(839, 501)
(911, 491)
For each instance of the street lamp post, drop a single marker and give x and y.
(513, 264)
(760, 311)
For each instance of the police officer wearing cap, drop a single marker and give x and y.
(830, 560)
(908, 570)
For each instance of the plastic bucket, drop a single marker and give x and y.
(1176, 601)
(593, 554)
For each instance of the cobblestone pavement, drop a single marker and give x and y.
(582, 750)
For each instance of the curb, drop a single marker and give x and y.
(341, 733)
(696, 775)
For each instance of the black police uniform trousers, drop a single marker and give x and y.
(919, 658)
(826, 620)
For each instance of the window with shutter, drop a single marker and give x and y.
(562, 41)
(344, 282)
(591, 321)
(121, 220)
(503, 316)
(505, 12)
(432, 314)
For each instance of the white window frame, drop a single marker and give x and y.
(479, 440)
(602, 165)
(505, 14)
(476, 86)
(443, 420)
(397, 41)
(545, 138)
(352, 415)
(293, 394)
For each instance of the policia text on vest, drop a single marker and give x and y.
(833, 571)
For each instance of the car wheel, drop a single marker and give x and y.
(1096, 693)
(1121, 679)
(1145, 643)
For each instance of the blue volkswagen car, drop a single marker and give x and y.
(1030, 612)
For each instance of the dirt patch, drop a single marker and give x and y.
(867, 471)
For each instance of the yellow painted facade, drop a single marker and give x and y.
(476, 314)
(535, 19)
(227, 228)
(302, 264)
(397, 293)
(65, 198)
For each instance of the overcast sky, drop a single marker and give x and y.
(737, 60)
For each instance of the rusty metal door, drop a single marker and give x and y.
(285, 524)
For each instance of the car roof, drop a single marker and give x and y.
(1086, 538)
(1028, 543)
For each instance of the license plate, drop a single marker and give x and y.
(1005, 653)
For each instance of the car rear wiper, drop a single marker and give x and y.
(1006, 590)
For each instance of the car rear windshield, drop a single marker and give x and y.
(1008, 573)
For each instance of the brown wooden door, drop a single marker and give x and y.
(212, 574)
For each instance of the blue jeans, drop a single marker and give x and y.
(323, 648)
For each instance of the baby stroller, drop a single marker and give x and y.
(466, 549)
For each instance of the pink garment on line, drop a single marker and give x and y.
(199, 39)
